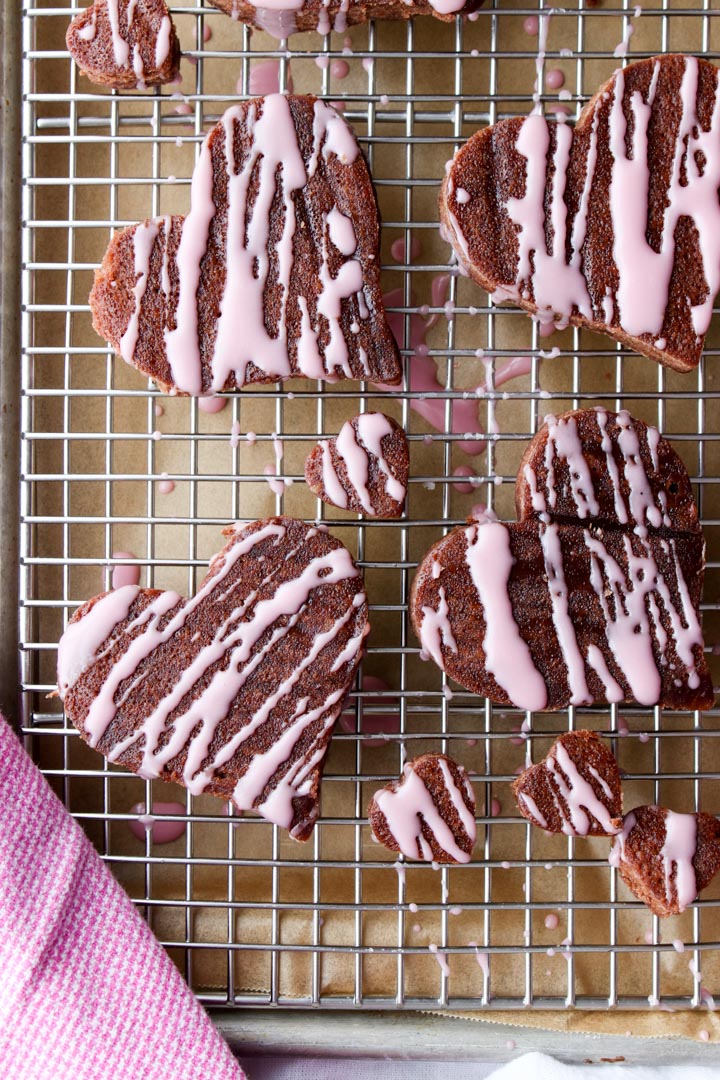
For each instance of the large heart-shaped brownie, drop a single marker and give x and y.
(125, 43)
(666, 858)
(236, 691)
(364, 468)
(593, 596)
(614, 224)
(275, 272)
(284, 17)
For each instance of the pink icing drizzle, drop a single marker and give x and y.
(162, 45)
(410, 805)
(582, 802)
(121, 49)
(507, 655)
(558, 285)
(355, 446)
(242, 335)
(125, 575)
(79, 646)
(677, 854)
(161, 832)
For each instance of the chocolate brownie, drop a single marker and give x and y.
(364, 468)
(274, 273)
(575, 610)
(665, 858)
(574, 790)
(125, 44)
(429, 813)
(234, 692)
(613, 224)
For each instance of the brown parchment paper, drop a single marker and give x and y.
(96, 466)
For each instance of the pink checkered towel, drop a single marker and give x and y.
(86, 991)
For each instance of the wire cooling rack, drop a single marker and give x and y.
(250, 917)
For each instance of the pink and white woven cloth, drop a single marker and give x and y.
(86, 992)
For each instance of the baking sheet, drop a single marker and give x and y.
(250, 916)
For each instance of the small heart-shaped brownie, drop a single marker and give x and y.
(613, 225)
(235, 692)
(667, 859)
(364, 468)
(575, 790)
(429, 813)
(125, 44)
(593, 596)
(274, 273)
(285, 17)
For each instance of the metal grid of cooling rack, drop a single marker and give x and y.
(251, 918)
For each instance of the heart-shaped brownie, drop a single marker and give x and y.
(274, 273)
(429, 813)
(285, 17)
(593, 596)
(613, 225)
(665, 858)
(236, 691)
(125, 43)
(574, 790)
(364, 468)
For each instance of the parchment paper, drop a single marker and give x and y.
(213, 905)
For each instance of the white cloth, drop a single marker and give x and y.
(526, 1067)
(541, 1067)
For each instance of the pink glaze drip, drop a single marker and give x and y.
(435, 630)
(531, 25)
(411, 805)
(165, 486)
(376, 728)
(439, 287)
(464, 488)
(437, 953)
(507, 656)
(555, 79)
(399, 249)
(621, 49)
(551, 921)
(212, 405)
(160, 832)
(339, 69)
(264, 79)
(422, 379)
(125, 575)
(242, 335)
